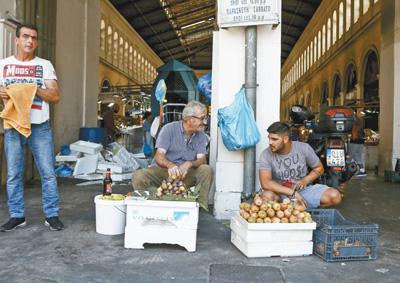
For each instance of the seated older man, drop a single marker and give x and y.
(181, 149)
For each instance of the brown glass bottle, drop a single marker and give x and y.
(107, 183)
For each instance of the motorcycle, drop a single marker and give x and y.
(329, 137)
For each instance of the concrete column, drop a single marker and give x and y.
(77, 67)
(389, 92)
(7, 9)
(228, 78)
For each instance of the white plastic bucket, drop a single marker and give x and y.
(110, 216)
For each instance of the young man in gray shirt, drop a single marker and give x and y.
(181, 149)
(284, 171)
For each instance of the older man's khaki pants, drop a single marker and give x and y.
(200, 177)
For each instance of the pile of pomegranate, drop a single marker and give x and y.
(287, 211)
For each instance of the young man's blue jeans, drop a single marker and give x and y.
(41, 144)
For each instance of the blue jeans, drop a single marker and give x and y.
(41, 144)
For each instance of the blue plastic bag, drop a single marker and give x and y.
(161, 90)
(204, 85)
(64, 170)
(237, 124)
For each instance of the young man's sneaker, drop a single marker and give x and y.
(13, 223)
(54, 223)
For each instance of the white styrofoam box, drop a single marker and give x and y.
(229, 178)
(139, 155)
(272, 239)
(268, 249)
(114, 167)
(226, 204)
(273, 232)
(72, 157)
(162, 233)
(121, 177)
(178, 214)
(85, 165)
(89, 177)
(86, 147)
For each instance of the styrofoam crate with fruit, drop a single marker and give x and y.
(179, 214)
(158, 221)
(265, 229)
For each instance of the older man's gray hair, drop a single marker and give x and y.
(193, 108)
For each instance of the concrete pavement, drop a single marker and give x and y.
(79, 254)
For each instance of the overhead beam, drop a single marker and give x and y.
(297, 14)
(308, 5)
(207, 27)
(152, 13)
(188, 12)
(161, 21)
(156, 27)
(168, 42)
(192, 20)
(297, 18)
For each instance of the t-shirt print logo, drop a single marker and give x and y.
(13, 70)
(289, 167)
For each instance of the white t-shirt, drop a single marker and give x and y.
(35, 71)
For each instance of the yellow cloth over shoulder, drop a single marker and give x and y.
(16, 113)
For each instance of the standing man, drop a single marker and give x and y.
(109, 122)
(356, 146)
(147, 138)
(284, 171)
(181, 149)
(25, 67)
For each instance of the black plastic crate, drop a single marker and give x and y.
(337, 239)
(392, 176)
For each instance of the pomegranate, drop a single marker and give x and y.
(246, 215)
(293, 219)
(276, 206)
(271, 212)
(295, 212)
(258, 200)
(287, 213)
(262, 214)
(280, 214)
(263, 207)
(283, 206)
(254, 208)
(307, 219)
(284, 220)
(246, 206)
(251, 220)
(260, 220)
(267, 220)
(276, 220)
(300, 215)
(254, 214)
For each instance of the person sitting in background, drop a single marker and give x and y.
(284, 171)
(181, 149)
(128, 119)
